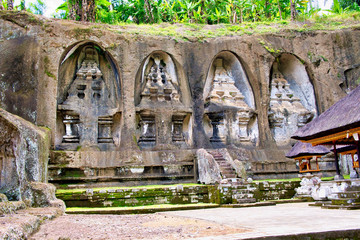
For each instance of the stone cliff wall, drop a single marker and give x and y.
(43, 58)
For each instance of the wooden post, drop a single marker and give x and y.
(336, 160)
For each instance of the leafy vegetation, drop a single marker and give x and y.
(188, 11)
(198, 11)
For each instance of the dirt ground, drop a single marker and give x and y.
(146, 226)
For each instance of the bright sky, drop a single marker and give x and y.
(51, 5)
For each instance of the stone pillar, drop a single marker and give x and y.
(148, 131)
(244, 119)
(71, 129)
(104, 129)
(177, 128)
(217, 122)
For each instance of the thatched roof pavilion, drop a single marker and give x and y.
(338, 123)
(304, 152)
(302, 149)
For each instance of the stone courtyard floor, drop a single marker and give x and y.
(283, 221)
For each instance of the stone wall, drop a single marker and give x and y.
(189, 117)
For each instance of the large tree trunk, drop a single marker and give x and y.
(74, 10)
(280, 13)
(84, 10)
(1, 6)
(91, 10)
(10, 5)
(148, 11)
(293, 10)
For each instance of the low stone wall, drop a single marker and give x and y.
(274, 190)
(121, 197)
(177, 194)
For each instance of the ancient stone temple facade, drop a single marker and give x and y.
(286, 111)
(134, 109)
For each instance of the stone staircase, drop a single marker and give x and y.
(345, 194)
(227, 171)
(233, 190)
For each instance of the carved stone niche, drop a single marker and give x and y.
(286, 112)
(177, 128)
(148, 130)
(90, 104)
(163, 116)
(229, 114)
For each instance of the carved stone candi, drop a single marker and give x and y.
(159, 86)
(87, 112)
(225, 95)
(161, 111)
(286, 112)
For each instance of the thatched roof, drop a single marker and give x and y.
(342, 116)
(301, 149)
(343, 148)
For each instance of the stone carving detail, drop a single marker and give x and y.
(88, 109)
(71, 123)
(224, 93)
(177, 128)
(159, 85)
(104, 129)
(148, 131)
(218, 127)
(160, 109)
(286, 112)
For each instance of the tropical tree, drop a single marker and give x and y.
(10, 4)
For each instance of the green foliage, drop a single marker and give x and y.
(38, 7)
(189, 11)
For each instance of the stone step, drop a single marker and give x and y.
(228, 171)
(229, 175)
(345, 201)
(349, 194)
(140, 209)
(245, 200)
(344, 207)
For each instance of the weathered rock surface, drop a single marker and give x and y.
(23, 155)
(208, 168)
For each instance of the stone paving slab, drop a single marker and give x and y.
(23, 223)
(280, 221)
